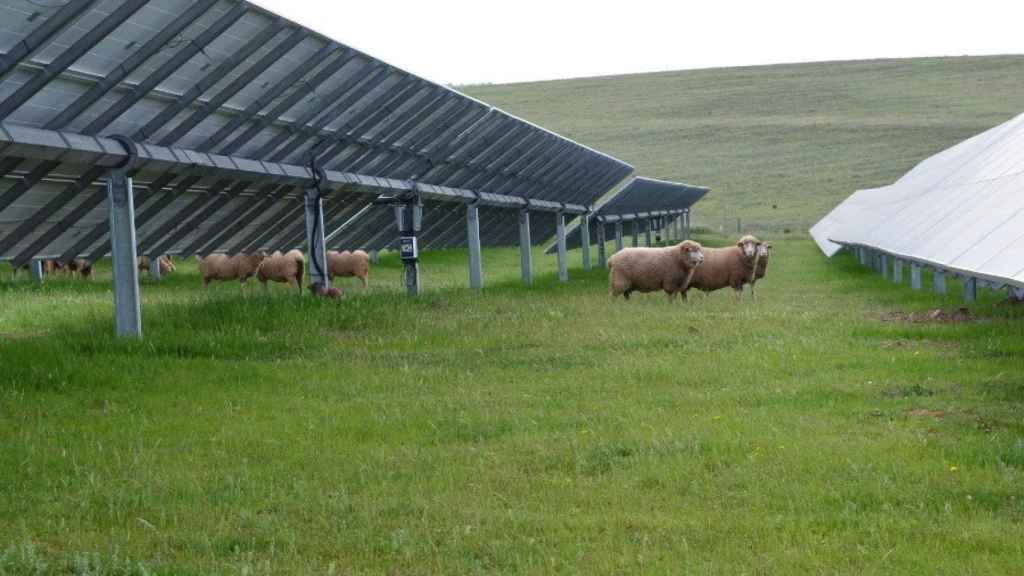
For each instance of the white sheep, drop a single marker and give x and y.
(651, 269)
(344, 264)
(223, 267)
(732, 266)
(288, 267)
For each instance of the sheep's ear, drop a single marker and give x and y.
(739, 243)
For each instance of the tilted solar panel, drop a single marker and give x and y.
(235, 82)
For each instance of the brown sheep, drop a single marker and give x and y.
(331, 293)
(650, 269)
(724, 267)
(287, 267)
(166, 264)
(356, 263)
(223, 267)
(79, 268)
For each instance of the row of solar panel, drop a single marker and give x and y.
(226, 78)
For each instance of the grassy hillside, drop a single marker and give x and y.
(780, 145)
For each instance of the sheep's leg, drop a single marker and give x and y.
(739, 293)
(363, 278)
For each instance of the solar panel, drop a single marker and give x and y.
(961, 211)
(227, 103)
(641, 200)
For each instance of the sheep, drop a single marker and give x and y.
(79, 268)
(224, 267)
(650, 269)
(730, 266)
(48, 267)
(764, 251)
(166, 264)
(331, 293)
(287, 267)
(356, 263)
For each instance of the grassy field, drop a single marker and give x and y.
(780, 145)
(543, 430)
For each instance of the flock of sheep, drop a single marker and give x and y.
(676, 269)
(288, 267)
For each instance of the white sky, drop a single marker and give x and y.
(461, 41)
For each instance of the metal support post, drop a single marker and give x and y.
(885, 266)
(970, 289)
(939, 281)
(563, 269)
(36, 269)
(127, 309)
(649, 223)
(409, 217)
(915, 275)
(476, 278)
(897, 270)
(585, 240)
(375, 257)
(525, 247)
(636, 233)
(618, 235)
(154, 268)
(315, 243)
(602, 255)
(687, 216)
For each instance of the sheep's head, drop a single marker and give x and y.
(254, 261)
(750, 246)
(693, 254)
(764, 250)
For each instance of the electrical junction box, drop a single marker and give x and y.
(408, 248)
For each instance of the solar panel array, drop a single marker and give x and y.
(961, 211)
(641, 199)
(227, 103)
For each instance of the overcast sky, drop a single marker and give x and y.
(463, 42)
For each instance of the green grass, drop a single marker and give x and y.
(543, 430)
(780, 145)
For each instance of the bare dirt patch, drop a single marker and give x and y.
(936, 316)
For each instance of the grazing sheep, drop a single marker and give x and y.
(287, 267)
(48, 266)
(650, 269)
(79, 268)
(223, 267)
(764, 251)
(318, 289)
(356, 263)
(166, 264)
(724, 267)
